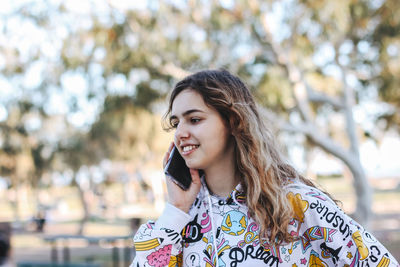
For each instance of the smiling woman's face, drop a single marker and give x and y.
(200, 132)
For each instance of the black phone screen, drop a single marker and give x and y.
(176, 168)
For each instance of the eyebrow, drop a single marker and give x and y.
(186, 113)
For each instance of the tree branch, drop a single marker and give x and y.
(312, 94)
(294, 74)
(309, 130)
(318, 97)
(348, 96)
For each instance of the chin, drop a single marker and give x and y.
(194, 165)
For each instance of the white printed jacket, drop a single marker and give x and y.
(221, 231)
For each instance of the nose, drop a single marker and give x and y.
(181, 132)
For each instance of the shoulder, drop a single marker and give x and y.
(321, 225)
(313, 209)
(325, 229)
(298, 186)
(299, 193)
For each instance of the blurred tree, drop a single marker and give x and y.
(330, 63)
(8, 163)
(123, 132)
(312, 63)
(386, 40)
(15, 161)
(73, 153)
(26, 151)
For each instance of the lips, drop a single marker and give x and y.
(187, 149)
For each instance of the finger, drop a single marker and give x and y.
(171, 146)
(165, 159)
(172, 186)
(170, 181)
(167, 154)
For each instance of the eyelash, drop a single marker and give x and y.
(194, 120)
(174, 124)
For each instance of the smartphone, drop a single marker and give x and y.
(176, 169)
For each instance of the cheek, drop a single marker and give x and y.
(219, 138)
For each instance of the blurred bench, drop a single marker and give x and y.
(5, 242)
(62, 243)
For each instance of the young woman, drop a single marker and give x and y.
(248, 207)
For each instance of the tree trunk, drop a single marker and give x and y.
(36, 192)
(304, 94)
(363, 212)
(363, 192)
(85, 208)
(14, 202)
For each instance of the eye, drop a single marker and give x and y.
(194, 120)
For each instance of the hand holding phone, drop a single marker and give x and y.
(176, 169)
(188, 180)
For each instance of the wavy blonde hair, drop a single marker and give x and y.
(262, 169)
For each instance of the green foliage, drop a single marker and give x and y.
(274, 90)
(124, 130)
(145, 95)
(153, 48)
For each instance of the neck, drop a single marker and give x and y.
(222, 178)
(221, 190)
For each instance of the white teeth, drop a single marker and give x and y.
(188, 148)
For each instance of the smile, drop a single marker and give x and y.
(189, 148)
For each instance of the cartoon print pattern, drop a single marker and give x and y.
(325, 237)
(234, 222)
(160, 257)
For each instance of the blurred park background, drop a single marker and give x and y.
(83, 86)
